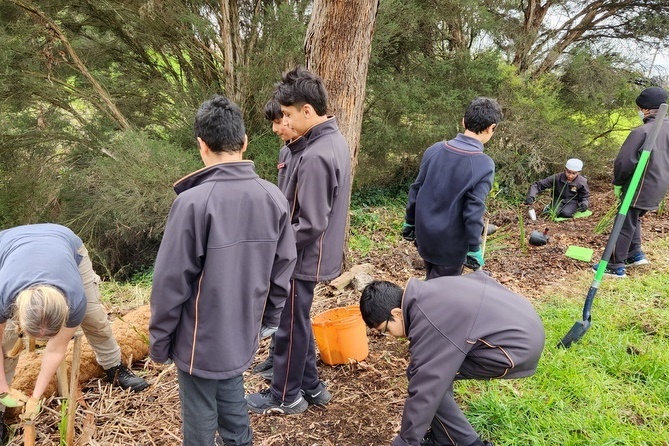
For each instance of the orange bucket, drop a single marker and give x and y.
(341, 335)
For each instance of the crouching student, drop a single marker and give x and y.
(221, 279)
(459, 327)
(570, 192)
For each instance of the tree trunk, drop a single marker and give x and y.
(230, 37)
(337, 48)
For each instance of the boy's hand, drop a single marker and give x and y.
(408, 232)
(618, 191)
(477, 256)
(529, 200)
(13, 398)
(582, 207)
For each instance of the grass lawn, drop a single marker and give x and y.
(610, 388)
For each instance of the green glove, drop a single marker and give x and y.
(13, 398)
(618, 191)
(477, 256)
(32, 409)
(408, 232)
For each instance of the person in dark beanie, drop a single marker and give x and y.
(652, 186)
(459, 327)
(444, 212)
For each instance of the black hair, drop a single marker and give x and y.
(220, 124)
(481, 113)
(273, 110)
(377, 300)
(300, 86)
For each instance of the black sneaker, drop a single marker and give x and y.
(122, 376)
(319, 395)
(264, 403)
(268, 374)
(265, 365)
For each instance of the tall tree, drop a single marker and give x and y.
(337, 47)
(537, 33)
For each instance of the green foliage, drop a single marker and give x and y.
(376, 218)
(264, 149)
(62, 424)
(118, 203)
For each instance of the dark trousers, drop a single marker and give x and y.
(295, 349)
(629, 240)
(433, 271)
(211, 405)
(449, 425)
(567, 209)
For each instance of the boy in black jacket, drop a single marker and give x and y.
(444, 214)
(461, 327)
(652, 186)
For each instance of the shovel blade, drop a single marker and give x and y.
(575, 334)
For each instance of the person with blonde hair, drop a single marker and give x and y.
(47, 290)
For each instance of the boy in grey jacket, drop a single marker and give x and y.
(315, 177)
(459, 327)
(221, 278)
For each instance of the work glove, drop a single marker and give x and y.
(32, 409)
(13, 398)
(408, 232)
(529, 200)
(475, 258)
(266, 332)
(618, 191)
(582, 207)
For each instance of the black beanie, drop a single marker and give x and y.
(651, 98)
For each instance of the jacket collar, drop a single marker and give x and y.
(324, 127)
(465, 142)
(236, 170)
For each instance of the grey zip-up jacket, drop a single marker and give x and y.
(223, 267)
(655, 180)
(451, 318)
(577, 190)
(315, 176)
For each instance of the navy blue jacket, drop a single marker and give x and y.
(447, 200)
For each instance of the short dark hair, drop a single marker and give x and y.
(300, 86)
(220, 124)
(481, 113)
(273, 110)
(377, 300)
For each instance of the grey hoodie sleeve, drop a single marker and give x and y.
(178, 264)
(282, 270)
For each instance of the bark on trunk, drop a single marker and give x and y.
(337, 48)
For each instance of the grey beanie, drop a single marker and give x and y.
(651, 98)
